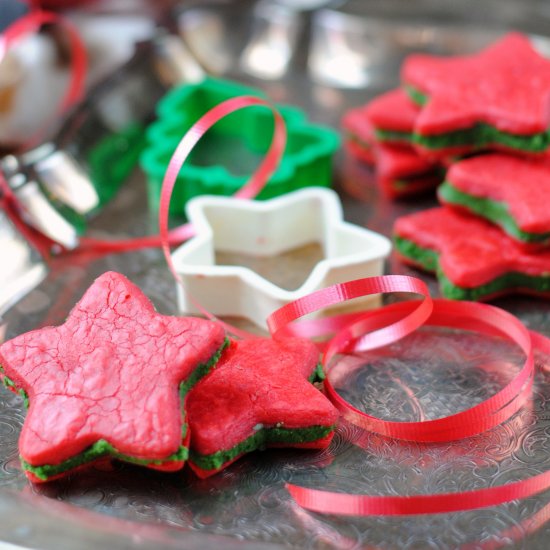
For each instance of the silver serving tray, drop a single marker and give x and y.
(247, 505)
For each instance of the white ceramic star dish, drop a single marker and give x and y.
(267, 229)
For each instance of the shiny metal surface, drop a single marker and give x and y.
(38, 212)
(247, 505)
(66, 181)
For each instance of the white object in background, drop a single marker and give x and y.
(11, 74)
(20, 271)
(269, 228)
(275, 33)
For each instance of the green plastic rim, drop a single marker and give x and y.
(307, 160)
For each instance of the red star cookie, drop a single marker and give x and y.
(259, 395)
(393, 116)
(506, 87)
(400, 170)
(473, 259)
(507, 190)
(107, 381)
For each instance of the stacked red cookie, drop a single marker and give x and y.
(379, 135)
(486, 118)
(118, 380)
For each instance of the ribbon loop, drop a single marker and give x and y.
(352, 327)
(482, 318)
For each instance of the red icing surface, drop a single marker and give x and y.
(523, 184)
(507, 85)
(362, 152)
(356, 123)
(111, 371)
(472, 251)
(394, 162)
(392, 111)
(257, 383)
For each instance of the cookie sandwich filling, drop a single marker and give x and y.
(492, 210)
(480, 134)
(428, 260)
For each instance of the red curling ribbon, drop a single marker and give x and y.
(397, 322)
(355, 331)
(256, 183)
(29, 24)
(167, 238)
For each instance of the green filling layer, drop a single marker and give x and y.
(415, 95)
(425, 257)
(259, 440)
(495, 211)
(318, 375)
(429, 260)
(101, 448)
(393, 135)
(478, 135)
(8, 383)
(97, 450)
(202, 370)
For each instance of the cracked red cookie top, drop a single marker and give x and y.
(507, 85)
(111, 372)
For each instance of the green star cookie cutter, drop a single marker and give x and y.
(224, 159)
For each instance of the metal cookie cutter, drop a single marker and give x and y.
(53, 192)
(268, 229)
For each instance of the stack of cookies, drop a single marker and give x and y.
(486, 119)
(381, 134)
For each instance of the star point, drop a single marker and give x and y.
(473, 259)
(506, 85)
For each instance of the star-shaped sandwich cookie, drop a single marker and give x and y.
(259, 395)
(498, 97)
(108, 381)
(510, 191)
(473, 259)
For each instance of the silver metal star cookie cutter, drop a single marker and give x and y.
(268, 229)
